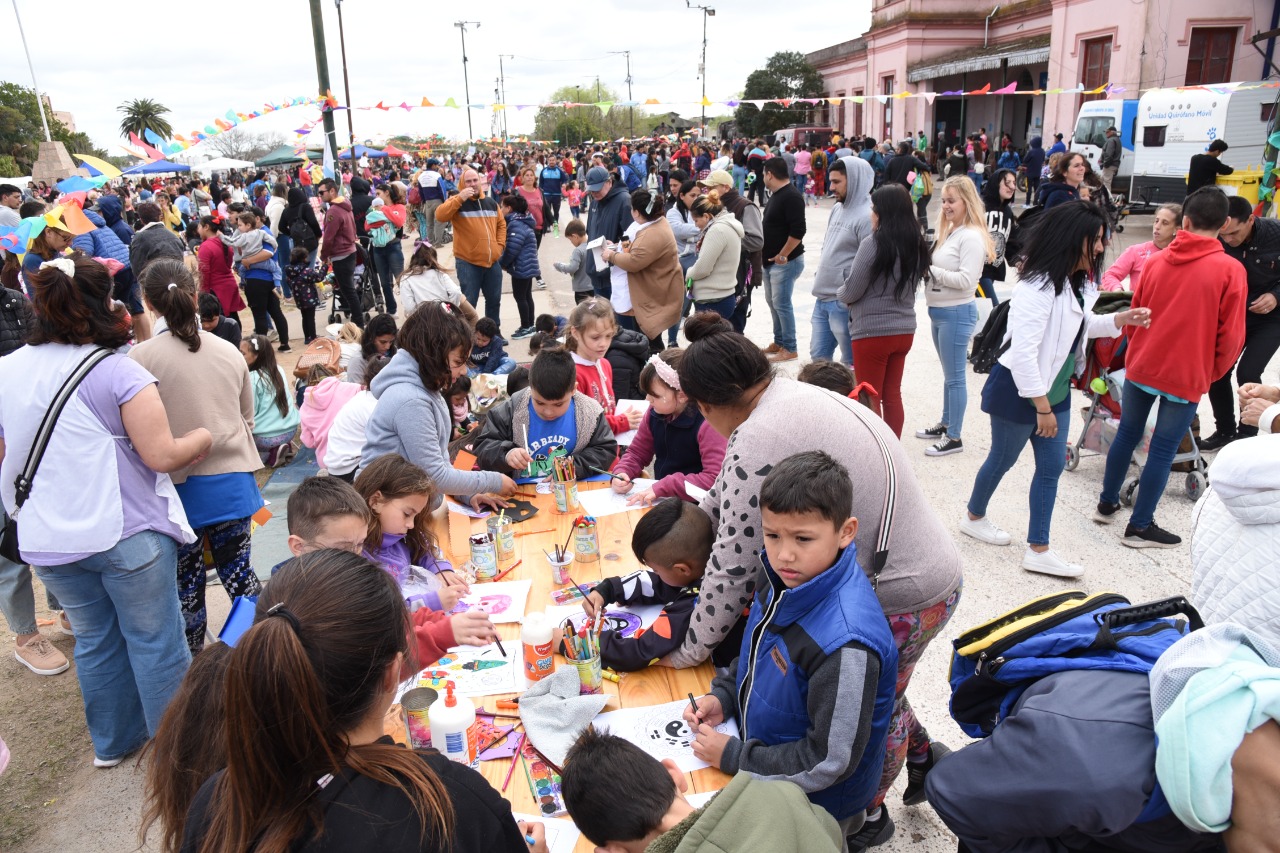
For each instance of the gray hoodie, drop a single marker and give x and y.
(416, 423)
(849, 225)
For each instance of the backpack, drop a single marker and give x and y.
(415, 195)
(632, 179)
(324, 351)
(989, 344)
(994, 663)
(300, 232)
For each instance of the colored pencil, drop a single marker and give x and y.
(509, 570)
(498, 640)
(517, 757)
(531, 532)
(609, 474)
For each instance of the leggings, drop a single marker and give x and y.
(880, 362)
(263, 300)
(228, 542)
(522, 290)
(308, 324)
(907, 736)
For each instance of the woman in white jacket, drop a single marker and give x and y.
(963, 246)
(715, 273)
(1028, 393)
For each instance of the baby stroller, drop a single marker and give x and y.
(365, 285)
(1102, 382)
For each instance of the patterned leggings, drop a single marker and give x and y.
(228, 541)
(911, 633)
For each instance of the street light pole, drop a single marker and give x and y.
(39, 103)
(346, 81)
(466, 84)
(707, 12)
(631, 110)
(322, 76)
(502, 88)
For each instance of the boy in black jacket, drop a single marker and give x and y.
(674, 541)
(520, 434)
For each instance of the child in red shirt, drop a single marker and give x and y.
(591, 330)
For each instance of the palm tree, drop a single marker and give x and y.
(142, 113)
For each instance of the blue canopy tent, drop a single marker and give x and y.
(363, 151)
(155, 167)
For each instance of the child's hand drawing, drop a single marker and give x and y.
(709, 712)
(449, 595)
(708, 744)
(452, 578)
(518, 459)
(621, 486)
(536, 831)
(593, 603)
(472, 628)
(645, 498)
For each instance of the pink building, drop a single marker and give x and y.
(960, 45)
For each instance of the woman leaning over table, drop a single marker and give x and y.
(103, 522)
(767, 417)
(1028, 393)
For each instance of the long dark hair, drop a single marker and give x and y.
(1052, 249)
(899, 241)
(680, 205)
(378, 325)
(77, 310)
(429, 334)
(264, 362)
(298, 682)
(991, 193)
(169, 288)
(719, 365)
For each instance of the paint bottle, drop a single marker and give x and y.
(535, 635)
(453, 728)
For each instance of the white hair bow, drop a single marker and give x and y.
(65, 265)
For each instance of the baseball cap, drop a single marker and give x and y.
(597, 176)
(718, 178)
(433, 162)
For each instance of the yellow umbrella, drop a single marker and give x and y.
(101, 165)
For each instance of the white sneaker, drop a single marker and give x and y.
(983, 530)
(1049, 563)
(105, 763)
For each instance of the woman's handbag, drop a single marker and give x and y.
(22, 484)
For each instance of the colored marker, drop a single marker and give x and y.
(694, 704)
(502, 575)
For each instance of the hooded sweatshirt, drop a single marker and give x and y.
(1196, 294)
(112, 209)
(417, 423)
(479, 230)
(849, 225)
(1033, 162)
(320, 406)
(300, 208)
(339, 232)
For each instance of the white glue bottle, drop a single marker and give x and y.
(453, 728)
(535, 636)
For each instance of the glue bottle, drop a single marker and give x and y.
(453, 728)
(535, 635)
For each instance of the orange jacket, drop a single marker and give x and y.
(479, 231)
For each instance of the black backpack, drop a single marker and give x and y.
(300, 232)
(989, 344)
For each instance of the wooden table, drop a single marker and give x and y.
(653, 686)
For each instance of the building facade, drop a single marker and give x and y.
(938, 46)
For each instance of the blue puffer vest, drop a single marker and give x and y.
(803, 626)
(520, 259)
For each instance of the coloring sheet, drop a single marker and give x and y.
(474, 671)
(562, 835)
(694, 492)
(660, 730)
(700, 800)
(598, 502)
(624, 406)
(503, 600)
(624, 619)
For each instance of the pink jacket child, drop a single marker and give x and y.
(320, 406)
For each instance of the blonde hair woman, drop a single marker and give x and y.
(963, 245)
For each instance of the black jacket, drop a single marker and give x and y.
(361, 814)
(299, 206)
(627, 354)
(1054, 193)
(1260, 255)
(899, 166)
(497, 436)
(361, 201)
(16, 319)
(628, 654)
(610, 218)
(151, 242)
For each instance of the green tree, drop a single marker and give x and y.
(141, 114)
(582, 123)
(21, 131)
(785, 75)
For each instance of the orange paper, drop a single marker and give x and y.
(464, 461)
(262, 516)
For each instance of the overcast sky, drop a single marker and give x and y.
(199, 59)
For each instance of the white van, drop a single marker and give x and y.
(1175, 124)
(1091, 133)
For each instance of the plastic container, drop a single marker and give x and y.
(1242, 182)
(560, 568)
(453, 728)
(535, 636)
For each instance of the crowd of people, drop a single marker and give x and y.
(814, 574)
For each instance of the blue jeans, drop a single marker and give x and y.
(130, 652)
(1172, 422)
(1007, 440)
(740, 179)
(830, 328)
(285, 244)
(674, 332)
(504, 367)
(989, 288)
(723, 307)
(799, 181)
(779, 282)
(952, 329)
(475, 280)
(389, 260)
(18, 598)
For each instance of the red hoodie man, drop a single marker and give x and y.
(338, 247)
(1196, 294)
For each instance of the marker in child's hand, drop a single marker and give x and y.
(696, 713)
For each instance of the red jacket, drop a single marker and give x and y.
(598, 385)
(432, 634)
(1196, 294)
(339, 239)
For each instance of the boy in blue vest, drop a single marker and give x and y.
(816, 641)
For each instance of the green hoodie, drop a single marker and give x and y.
(752, 815)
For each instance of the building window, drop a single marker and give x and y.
(1268, 113)
(1153, 135)
(886, 88)
(1096, 68)
(1210, 55)
(857, 116)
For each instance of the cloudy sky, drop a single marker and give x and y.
(199, 59)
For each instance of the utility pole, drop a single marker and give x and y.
(707, 12)
(631, 110)
(346, 81)
(466, 84)
(39, 101)
(322, 76)
(502, 89)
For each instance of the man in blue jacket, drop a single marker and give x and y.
(610, 218)
(102, 242)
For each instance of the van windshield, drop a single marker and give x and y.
(1092, 130)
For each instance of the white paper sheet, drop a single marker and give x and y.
(562, 835)
(503, 600)
(601, 502)
(700, 800)
(694, 492)
(660, 730)
(460, 509)
(624, 406)
(474, 671)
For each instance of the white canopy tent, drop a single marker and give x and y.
(221, 164)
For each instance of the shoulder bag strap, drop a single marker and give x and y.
(22, 484)
(880, 558)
